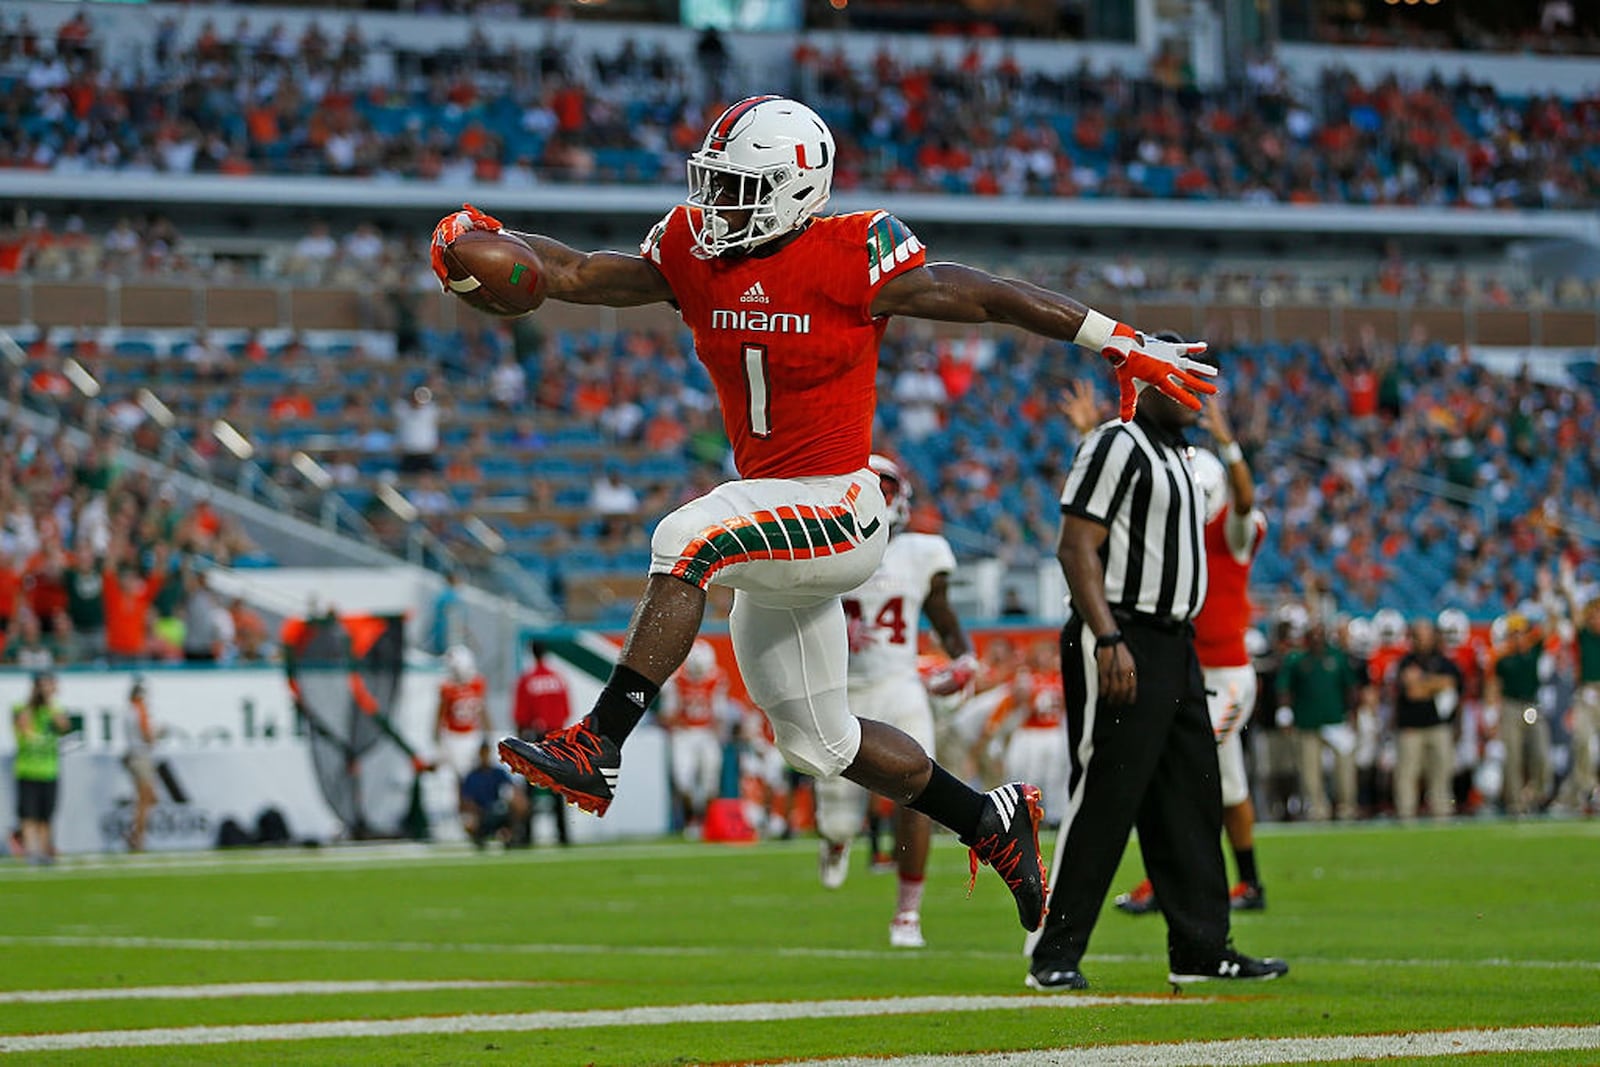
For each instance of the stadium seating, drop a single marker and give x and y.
(900, 126)
(1469, 481)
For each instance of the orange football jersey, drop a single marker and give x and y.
(1225, 616)
(789, 339)
(461, 705)
(697, 700)
(1046, 702)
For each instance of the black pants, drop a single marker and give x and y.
(1152, 764)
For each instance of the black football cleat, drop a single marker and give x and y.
(1228, 965)
(1056, 980)
(576, 763)
(1007, 839)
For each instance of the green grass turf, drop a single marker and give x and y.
(1386, 928)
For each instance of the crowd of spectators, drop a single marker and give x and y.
(1551, 27)
(1406, 476)
(256, 101)
(103, 564)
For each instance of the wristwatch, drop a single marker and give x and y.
(1108, 640)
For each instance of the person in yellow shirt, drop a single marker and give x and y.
(38, 724)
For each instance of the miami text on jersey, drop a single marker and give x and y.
(760, 321)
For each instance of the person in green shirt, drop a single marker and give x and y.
(1318, 685)
(1524, 729)
(38, 724)
(86, 606)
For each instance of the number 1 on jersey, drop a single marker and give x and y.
(755, 377)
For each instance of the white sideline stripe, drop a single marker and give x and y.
(221, 944)
(564, 1020)
(246, 989)
(1251, 1051)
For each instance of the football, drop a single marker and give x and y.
(495, 272)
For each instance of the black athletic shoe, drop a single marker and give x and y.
(1008, 840)
(1247, 897)
(1056, 980)
(575, 763)
(1226, 966)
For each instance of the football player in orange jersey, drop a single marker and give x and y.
(463, 721)
(1037, 748)
(695, 712)
(787, 308)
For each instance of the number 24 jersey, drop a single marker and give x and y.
(789, 339)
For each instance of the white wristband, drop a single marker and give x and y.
(1232, 453)
(1095, 333)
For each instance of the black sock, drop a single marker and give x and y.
(1246, 859)
(623, 702)
(951, 802)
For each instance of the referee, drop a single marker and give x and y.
(1142, 751)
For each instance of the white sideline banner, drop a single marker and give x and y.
(231, 746)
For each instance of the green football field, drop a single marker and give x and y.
(1423, 941)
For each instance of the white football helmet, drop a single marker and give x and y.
(1210, 481)
(1293, 620)
(1454, 627)
(896, 490)
(460, 663)
(767, 156)
(1358, 637)
(701, 661)
(1388, 628)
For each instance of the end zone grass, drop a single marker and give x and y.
(1387, 929)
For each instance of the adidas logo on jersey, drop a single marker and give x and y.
(755, 295)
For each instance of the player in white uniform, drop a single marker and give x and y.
(884, 685)
(696, 713)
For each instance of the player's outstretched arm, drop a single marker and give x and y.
(615, 279)
(951, 292)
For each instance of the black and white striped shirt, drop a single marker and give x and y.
(1134, 478)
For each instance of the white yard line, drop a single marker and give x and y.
(1239, 1052)
(160, 1037)
(228, 990)
(223, 944)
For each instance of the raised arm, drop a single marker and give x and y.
(951, 292)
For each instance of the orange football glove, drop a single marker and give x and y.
(452, 226)
(1143, 361)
